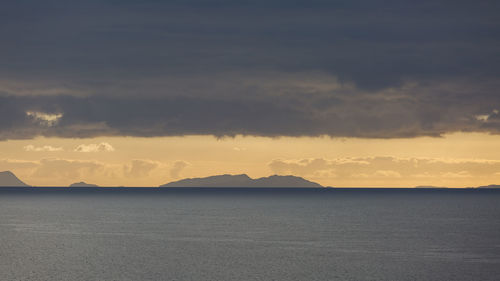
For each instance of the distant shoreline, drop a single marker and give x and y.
(237, 189)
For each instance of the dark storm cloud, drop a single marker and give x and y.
(381, 116)
(151, 68)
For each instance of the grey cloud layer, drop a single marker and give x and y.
(152, 68)
(401, 112)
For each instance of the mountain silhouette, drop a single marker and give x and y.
(7, 178)
(82, 184)
(243, 181)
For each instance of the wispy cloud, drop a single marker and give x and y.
(101, 147)
(177, 168)
(140, 168)
(68, 169)
(47, 148)
(46, 119)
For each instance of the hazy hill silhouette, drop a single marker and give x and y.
(489, 186)
(429, 186)
(243, 181)
(82, 184)
(7, 178)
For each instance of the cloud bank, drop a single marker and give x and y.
(50, 171)
(369, 171)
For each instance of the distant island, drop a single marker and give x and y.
(82, 184)
(243, 181)
(429, 186)
(489, 186)
(7, 178)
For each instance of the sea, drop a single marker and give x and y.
(249, 234)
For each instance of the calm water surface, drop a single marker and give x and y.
(230, 234)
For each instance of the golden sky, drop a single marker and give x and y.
(455, 160)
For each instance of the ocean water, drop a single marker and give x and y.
(235, 234)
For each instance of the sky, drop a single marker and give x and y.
(345, 93)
